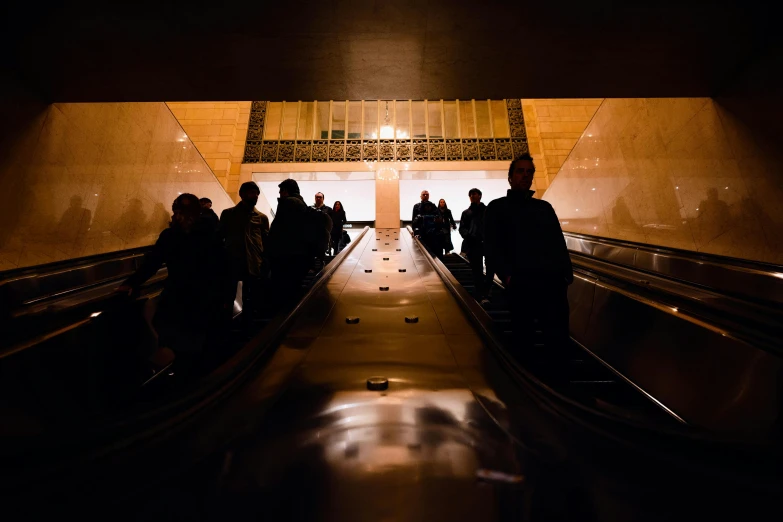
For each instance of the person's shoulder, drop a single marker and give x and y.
(540, 203)
(167, 235)
(499, 202)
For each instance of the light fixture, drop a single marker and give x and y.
(387, 131)
(387, 174)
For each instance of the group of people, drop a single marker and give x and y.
(517, 237)
(207, 256)
(433, 224)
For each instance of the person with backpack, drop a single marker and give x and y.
(244, 230)
(296, 235)
(428, 226)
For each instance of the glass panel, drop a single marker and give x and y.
(467, 127)
(274, 113)
(290, 110)
(387, 119)
(419, 123)
(450, 114)
(499, 118)
(306, 115)
(403, 121)
(371, 120)
(483, 126)
(434, 123)
(355, 120)
(338, 120)
(322, 125)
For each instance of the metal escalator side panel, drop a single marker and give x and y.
(580, 301)
(705, 377)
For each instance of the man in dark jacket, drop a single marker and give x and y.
(319, 203)
(524, 245)
(425, 198)
(244, 230)
(190, 249)
(290, 251)
(208, 214)
(428, 226)
(327, 210)
(471, 228)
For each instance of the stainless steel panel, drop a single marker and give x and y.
(707, 378)
(749, 279)
(580, 300)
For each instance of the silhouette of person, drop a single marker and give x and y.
(290, 252)
(425, 197)
(526, 248)
(621, 214)
(191, 250)
(244, 230)
(714, 216)
(471, 228)
(74, 225)
(132, 223)
(208, 213)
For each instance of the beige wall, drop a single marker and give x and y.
(387, 198)
(82, 179)
(218, 130)
(679, 172)
(553, 128)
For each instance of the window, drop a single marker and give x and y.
(274, 115)
(290, 116)
(322, 123)
(467, 124)
(306, 119)
(434, 120)
(499, 119)
(419, 120)
(338, 120)
(370, 120)
(451, 126)
(354, 120)
(403, 119)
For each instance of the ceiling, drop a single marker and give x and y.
(377, 49)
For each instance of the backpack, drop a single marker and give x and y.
(319, 230)
(429, 224)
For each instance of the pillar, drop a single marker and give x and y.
(387, 198)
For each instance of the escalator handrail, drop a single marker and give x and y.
(754, 282)
(760, 267)
(676, 301)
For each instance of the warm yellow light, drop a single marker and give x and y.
(387, 132)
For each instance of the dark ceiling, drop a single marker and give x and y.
(376, 49)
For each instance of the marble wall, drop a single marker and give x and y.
(678, 172)
(218, 130)
(80, 179)
(553, 128)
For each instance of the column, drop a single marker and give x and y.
(387, 198)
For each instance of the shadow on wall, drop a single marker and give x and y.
(73, 228)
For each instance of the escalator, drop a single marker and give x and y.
(79, 380)
(662, 336)
(572, 371)
(387, 395)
